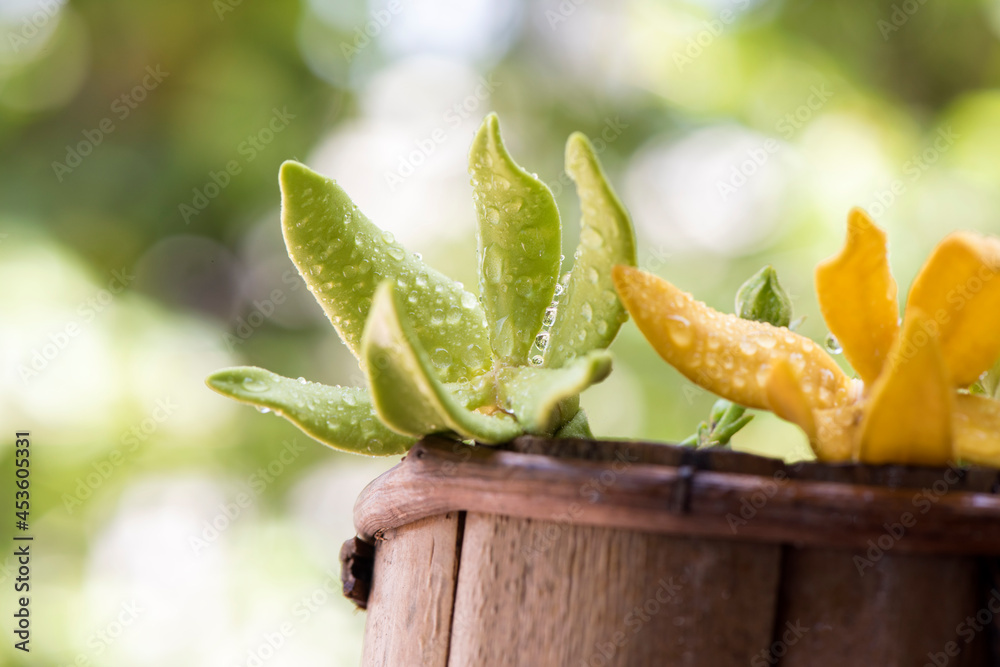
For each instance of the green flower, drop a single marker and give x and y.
(437, 358)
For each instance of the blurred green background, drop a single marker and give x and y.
(140, 249)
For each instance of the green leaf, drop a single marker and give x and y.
(577, 427)
(343, 256)
(545, 398)
(519, 244)
(589, 314)
(406, 394)
(341, 417)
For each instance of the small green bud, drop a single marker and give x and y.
(763, 299)
(989, 382)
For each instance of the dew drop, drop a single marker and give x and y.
(364, 266)
(454, 316)
(559, 289)
(350, 271)
(437, 317)
(493, 264)
(253, 384)
(542, 340)
(261, 409)
(316, 269)
(492, 215)
(587, 312)
(550, 316)
(302, 380)
(593, 276)
(679, 330)
(766, 341)
(417, 256)
(395, 252)
(468, 300)
(513, 206)
(523, 286)
(388, 237)
(833, 345)
(536, 360)
(602, 327)
(420, 280)
(441, 358)
(413, 298)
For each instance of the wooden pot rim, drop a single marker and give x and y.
(652, 487)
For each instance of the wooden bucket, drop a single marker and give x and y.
(588, 554)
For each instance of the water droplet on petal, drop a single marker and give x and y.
(549, 317)
(587, 312)
(833, 345)
(492, 215)
(261, 409)
(679, 330)
(302, 380)
(396, 252)
(468, 300)
(542, 340)
(536, 360)
(388, 237)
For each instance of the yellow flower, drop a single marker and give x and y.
(908, 404)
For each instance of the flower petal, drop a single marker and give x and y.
(959, 290)
(341, 417)
(909, 411)
(405, 392)
(977, 430)
(832, 432)
(838, 431)
(519, 244)
(729, 356)
(343, 256)
(857, 296)
(786, 399)
(590, 314)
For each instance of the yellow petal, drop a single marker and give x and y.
(976, 425)
(727, 355)
(857, 296)
(785, 398)
(959, 291)
(838, 431)
(833, 432)
(908, 414)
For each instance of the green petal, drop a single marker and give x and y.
(519, 244)
(543, 399)
(589, 314)
(406, 394)
(341, 417)
(343, 256)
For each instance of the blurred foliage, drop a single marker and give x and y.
(737, 133)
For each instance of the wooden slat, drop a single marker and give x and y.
(549, 593)
(440, 476)
(412, 593)
(899, 611)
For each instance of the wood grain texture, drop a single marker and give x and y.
(413, 588)
(897, 612)
(438, 476)
(550, 593)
